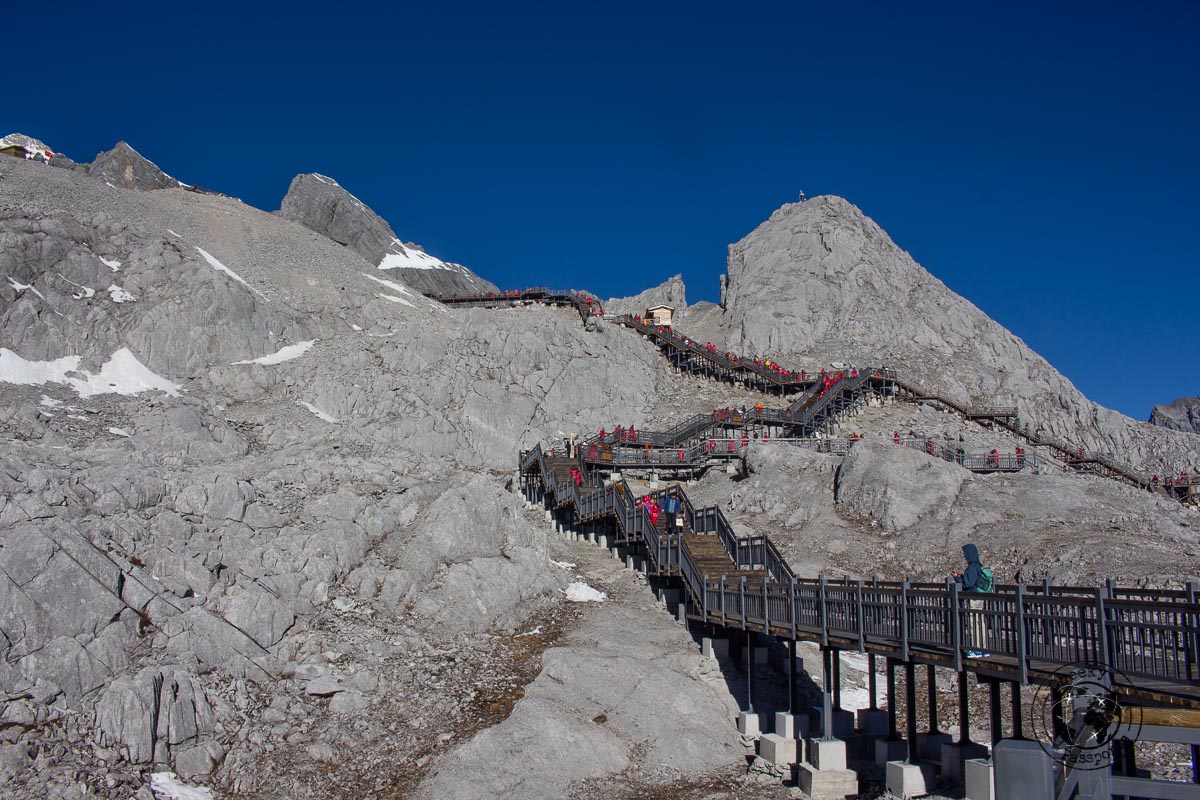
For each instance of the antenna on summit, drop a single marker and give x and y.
(802, 196)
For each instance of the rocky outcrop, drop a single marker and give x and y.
(895, 486)
(671, 292)
(123, 166)
(320, 204)
(820, 282)
(1181, 415)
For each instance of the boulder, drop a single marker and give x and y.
(896, 486)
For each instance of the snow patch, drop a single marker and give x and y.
(395, 287)
(20, 287)
(319, 412)
(121, 374)
(112, 263)
(173, 233)
(119, 295)
(118, 432)
(394, 299)
(283, 354)
(219, 267)
(355, 327)
(563, 564)
(402, 256)
(580, 592)
(167, 786)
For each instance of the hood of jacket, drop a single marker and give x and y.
(971, 553)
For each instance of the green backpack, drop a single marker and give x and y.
(986, 580)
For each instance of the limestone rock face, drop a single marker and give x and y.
(896, 486)
(320, 204)
(1181, 415)
(819, 281)
(124, 166)
(671, 293)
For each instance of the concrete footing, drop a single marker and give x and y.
(776, 749)
(979, 781)
(929, 745)
(827, 753)
(793, 726)
(749, 725)
(890, 750)
(630, 563)
(823, 775)
(714, 648)
(909, 780)
(954, 755)
(602, 541)
(1023, 771)
(681, 614)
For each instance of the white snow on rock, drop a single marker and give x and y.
(118, 432)
(394, 299)
(395, 287)
(20, 287)
(111, 263)
(319, 412)
(166, 785)
(410, 256)
(283, 354)
(219, 267)
(173, 233)
(119, 295)
(121, 374)
(580, 592)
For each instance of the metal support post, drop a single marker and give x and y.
(836, 658)
(1018, 723)
(750, 681)
(964, 710)
(827, 697)
(792, 677)
(931, 679)
(910, 710)
(893, 733)
(994, 710)
(871, 681)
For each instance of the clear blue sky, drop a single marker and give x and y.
(1041, 159)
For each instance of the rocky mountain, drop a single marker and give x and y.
(124, 166)
(1181, 415)
(258, 518)
(820, 281)
(672, 292)
(320, 204)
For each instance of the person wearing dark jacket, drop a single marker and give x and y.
(970, 579)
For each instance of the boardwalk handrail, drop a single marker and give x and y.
(1029, 630)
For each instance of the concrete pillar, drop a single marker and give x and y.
(549, 515)
(1023, 771)
(715, 648)
(749, 725)
(906, 780)
(602, 541)
(955, 755)
(794, 726)
(591, 537)
(776, 749)
(981, 784)
(629, 562)
(681, 614)
(823, 775)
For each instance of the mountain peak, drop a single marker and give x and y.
(123, 166)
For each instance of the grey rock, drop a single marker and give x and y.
(196, 763)
(896, 486)
(1180, 415)
(324, 686)
(349, 702)
(672, 292)
(129, 708)
(320, 204)
(123, 166)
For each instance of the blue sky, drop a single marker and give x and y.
(1040, 159)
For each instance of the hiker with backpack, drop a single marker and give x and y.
(975, 578)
